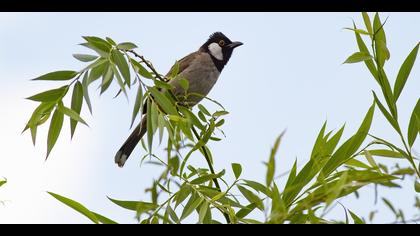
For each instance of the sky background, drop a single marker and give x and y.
(287, 75)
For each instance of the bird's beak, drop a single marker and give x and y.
(234, 45)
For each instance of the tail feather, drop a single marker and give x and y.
(132, 141)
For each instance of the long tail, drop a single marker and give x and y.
(131, 142)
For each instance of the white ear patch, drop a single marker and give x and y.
(216, 51)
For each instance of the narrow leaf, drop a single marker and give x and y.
(237, 169)
(414, 126)
(76, 104)
(72, 114)
(404, 72)
(85, 57)
(58, 75)
(368, 23)
(85, 90)
(54, 130)
(358, 57)
(50, 95)
(126, 46)
(166, 104)
(138, 206)
(122, 65)
(76, 206)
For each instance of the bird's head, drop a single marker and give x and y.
(220, 48)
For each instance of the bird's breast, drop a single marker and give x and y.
(202, 75)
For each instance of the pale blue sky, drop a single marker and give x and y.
(287, 75)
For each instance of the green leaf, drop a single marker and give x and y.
(251, 197)
(355, 218)
(102, 47)
(122, 65)
(76, 104)
(271, 165)
(246, 210)
(2, 182)
(380, 41)
(110, 41)
(204, 178)
(387, 115)
(85, 57)
(237, 170)
(174, 70)
(107, 77)
(337, 188)
(50, 95)
(97, 71)
(389, 205)
(141, 70)
(103, 219)
(333, 141)
(76, 206)
(85, 90)
(369, 63)
(191, 205)
(404, 72)
(370, 159)
(58, 75)
(357, 163)
(318, 146)
(220, 113)
(126, 46)
(70, 113)
(149, 125)
(414, 124)
(302, 179)
(368, 23)
(172, 214)
(257, 187)
(137, 104)
(346, 150)
(119, 80)
(404, 171)
(382, 52)
(386, 153)
(38, 117)
(182, 194)
(291, 178)
(417, 186)
(161, 84)
(54, 130)
(184, 83)
(360, 31)
(203, 212)
(203, 110)
(358, 57)
(138, 206)
(166, 104)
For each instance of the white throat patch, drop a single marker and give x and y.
(216, 51)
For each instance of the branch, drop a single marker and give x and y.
(148, 64)
(207, 157)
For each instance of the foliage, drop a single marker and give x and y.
(336, 168)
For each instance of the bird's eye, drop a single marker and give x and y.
(221, 43)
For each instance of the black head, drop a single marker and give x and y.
(220, 49)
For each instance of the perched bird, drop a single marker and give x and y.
(202, 69)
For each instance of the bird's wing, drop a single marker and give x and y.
(183, 64)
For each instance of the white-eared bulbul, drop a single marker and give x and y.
(202, 69)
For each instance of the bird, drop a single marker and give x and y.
(202, 69)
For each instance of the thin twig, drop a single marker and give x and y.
(148, 64)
